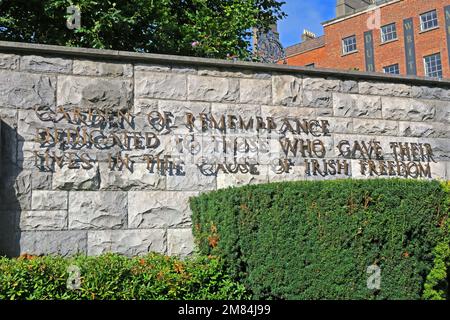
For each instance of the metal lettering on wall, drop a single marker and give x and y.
(368, 50)
(216, 143)
(410, 49)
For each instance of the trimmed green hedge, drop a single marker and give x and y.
(316, 239)
(111, 277)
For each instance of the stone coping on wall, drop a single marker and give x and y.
(126, 56)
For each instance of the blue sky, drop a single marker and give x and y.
(304, 14)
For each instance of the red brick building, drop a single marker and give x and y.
(397, 36)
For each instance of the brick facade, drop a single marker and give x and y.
(426, 42)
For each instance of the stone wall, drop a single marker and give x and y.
(102, 149)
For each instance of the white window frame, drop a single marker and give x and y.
(438, 73)
(346, 46)
(391, 32)
(429, 17)
(396, 66)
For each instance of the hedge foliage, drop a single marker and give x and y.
(316, 239)
(111, 277)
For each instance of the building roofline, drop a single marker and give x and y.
(358, 12)
(125, 56)
(320, 43)
(310, 49)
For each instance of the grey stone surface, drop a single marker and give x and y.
(94, 68)
(317, 99)
(237, 73)
(127, 242)
(66, 178)
(64, 243)
(101, 93)
(426, 92)
(49, 200)
(419, 129)
(160, 85)
(9, 61)
(408, 109)
(213, 89)
(178, 111)
(375, 127)
(97, 210)
(45, 64)
(138, 179)
(442, 112)
(43, 220)
(287, 90)
(255, 91)
(180, 242)
(22, 90)
(159, 209)
(225, 180)
(191, 179)
(351, 105)
(349, 86)
(320, 84)
(384, 89)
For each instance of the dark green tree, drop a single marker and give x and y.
(208, 28)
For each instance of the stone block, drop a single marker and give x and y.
(225, 180)
(160, 85)
(287, 90)
(255, 91)
(180, 242)
(99, 93)
(354, 106)
(159, 209)
(375, 127)
(97, 210)
(106, 69)
(45, 64)
(213, 89)
(9, 61)
(385, 89)
(424, 130)
(321, 84)
(140, 178)
(49, 200)
(191, 179)
(63, 243)
(26, 91)
(349, 86)
(66, 178)
(317, 99)
(43, 220)
(408, 109)
(435, 93)
(127, 242)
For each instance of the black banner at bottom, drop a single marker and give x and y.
(226, 309)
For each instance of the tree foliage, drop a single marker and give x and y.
(209, 28)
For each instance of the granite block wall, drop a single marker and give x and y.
(101, 153)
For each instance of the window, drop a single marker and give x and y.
(433, 66)
(393, 69)
(388, 32)
(428, 20)
(349, 44)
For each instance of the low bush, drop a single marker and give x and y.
(112, 276)
(316, 239)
